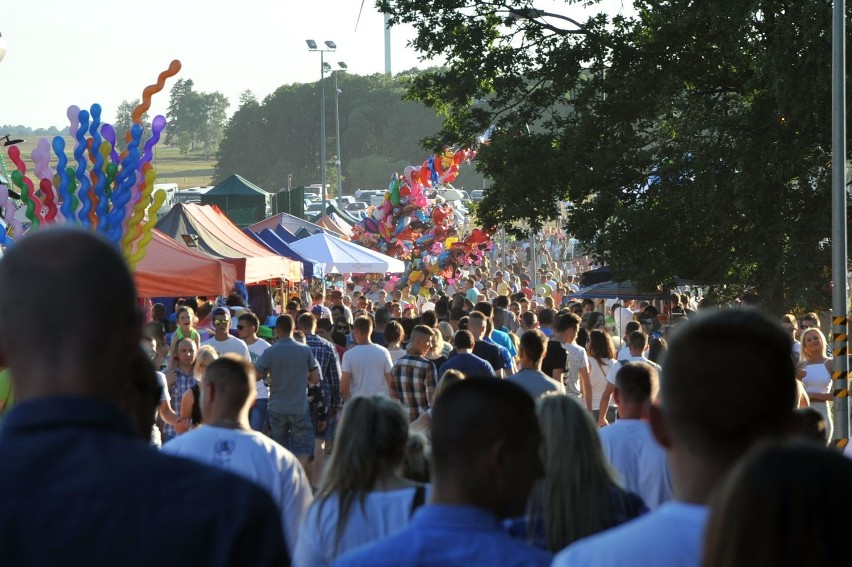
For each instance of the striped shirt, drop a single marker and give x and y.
(413, 383)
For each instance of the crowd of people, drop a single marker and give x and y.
(484, 421)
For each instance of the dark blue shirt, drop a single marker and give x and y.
(78, 486)
(469, 364)
(490, 353)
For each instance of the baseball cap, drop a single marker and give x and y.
(220, 311)
(317, 310)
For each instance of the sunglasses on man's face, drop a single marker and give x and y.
(221, 321)
(241, 327)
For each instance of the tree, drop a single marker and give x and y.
(177, 111)
(196, 118)
(692, 139)
(124, 121)
(212, 121)
(270, 140)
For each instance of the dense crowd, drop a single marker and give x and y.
(482, 420)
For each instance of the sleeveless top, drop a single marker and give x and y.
(817, 380)
(193, 334)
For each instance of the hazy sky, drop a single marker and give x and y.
(63, 52)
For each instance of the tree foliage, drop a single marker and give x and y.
(693, 139)
(124, 121)
(379, 133)
(196, 119)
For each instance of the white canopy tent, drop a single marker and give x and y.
(340, 256)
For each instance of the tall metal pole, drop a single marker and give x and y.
(504, 247)
(840, 377)
(533, 279)
(322, 130)
(337, 137)
(387, 46)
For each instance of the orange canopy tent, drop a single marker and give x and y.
(171, 270)
(207, 229)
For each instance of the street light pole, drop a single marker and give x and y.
(840, 326)
(343, 67)
(330, 47)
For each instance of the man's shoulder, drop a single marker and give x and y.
(668, 536)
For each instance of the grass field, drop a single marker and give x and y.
(172, 167)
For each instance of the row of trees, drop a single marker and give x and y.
(693, 138)
(19, 130)
(278, 139)
(196, 120)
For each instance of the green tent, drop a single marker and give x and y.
(241, 200)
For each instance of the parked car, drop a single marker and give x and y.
(366, 195)
(313, 209)
(355, 207)
(477, 195)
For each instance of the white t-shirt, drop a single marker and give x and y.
(396, 354)
(578, 359)
(622, 316)
(255, 350)
(256, 458)
(610, 376)
(156, 438)
(670, 536)
(598, 379)
(383, 514)
(368, 365)
(231, 344)
(640, 461)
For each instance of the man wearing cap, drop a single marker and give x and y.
(336, 298)
(222, 341)
(319, 310)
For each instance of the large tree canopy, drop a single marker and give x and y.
(693, 138)
(380, 133)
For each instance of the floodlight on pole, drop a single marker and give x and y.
(342, 67)
(330, 47)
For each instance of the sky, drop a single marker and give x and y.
(64, 52)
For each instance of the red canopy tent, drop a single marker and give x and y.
(207, 229)
(171, 270)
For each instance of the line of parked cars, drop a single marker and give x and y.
(357, 205)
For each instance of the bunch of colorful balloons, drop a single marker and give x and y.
(107, 191)
(424, 233)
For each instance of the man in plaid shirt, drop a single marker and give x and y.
(329, 365)
(415, 377)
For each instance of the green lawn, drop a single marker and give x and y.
(172, 167)
(191, 170)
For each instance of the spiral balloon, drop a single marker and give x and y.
(22, 182)
(157, 127)
(49, 199)
(83, 183)
(65, 176)
(142, 244)
(150, 91)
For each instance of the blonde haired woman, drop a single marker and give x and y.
(580, 494)
(362, 496)
(190, 404)
(817, 368)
